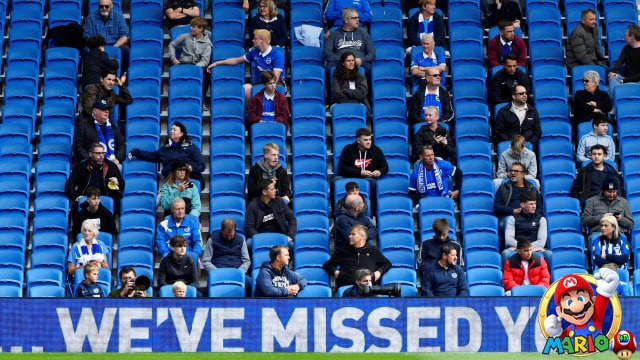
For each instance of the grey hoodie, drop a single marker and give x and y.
(527, 158)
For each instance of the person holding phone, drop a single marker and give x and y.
(608, 204)
(179, 185)
(434, 134)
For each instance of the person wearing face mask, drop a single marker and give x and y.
(109, 23)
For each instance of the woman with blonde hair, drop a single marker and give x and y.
(609, 247)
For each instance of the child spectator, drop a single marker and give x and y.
(89, 287)
(179, 289)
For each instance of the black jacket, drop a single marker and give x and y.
(283, 185)
(92, 65)
(415, 105)
(581, 187)
(501, 85)
(349, 259)
(85, 134)
(80, 179)
(107, 220)
(507, 125)
(283, 216)
(583, 112)
(425, 136)
(351, 156)
(172, 270)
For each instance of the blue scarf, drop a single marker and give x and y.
(422, 178)
(429, 100)
(422, 29)
(108, 141)
(506, 48)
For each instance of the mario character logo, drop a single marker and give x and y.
(623, 344)
(577, 320)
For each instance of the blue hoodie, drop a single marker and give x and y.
(272, 282)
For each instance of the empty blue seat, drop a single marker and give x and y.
(315, 291)
(486, 290)
(480, 276)
(310, 259)
(226, 282)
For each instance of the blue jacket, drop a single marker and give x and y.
(189, 228)
(272, 282)
(333, 12)
(345, 221)
(438, 281)
(167, 154)
(89, 290)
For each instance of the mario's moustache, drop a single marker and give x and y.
(587, 306)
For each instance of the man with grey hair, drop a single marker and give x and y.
(351, 214)
(583, 44)
(589, 101)
(179, 223)
(628, 61)
(352, 38)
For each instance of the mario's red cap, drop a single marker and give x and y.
(571, 282)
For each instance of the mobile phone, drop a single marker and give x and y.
(441, 132)
(616, 214)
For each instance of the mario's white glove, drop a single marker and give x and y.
(553, 325)
(607, 282)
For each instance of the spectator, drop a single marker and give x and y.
(528, 225)
(95, 61)
(609, 247)
(127, 281)
(507, 200)
(608, 204)
(430, 248)
(95, 171)
(268, 18)
(178, 147)
(591, 101)
(583, 44)
(275, 279)
(502, 10)
(111, 25)
(269, 105)
(180, 12)
(270, 168)
(334, 12)
(269, 214)
(363, 278)
(179, 223)
(196, 48)
(178, 266)
(92, 209)
(427, 60)
(517, 152)
(87, 250)
(178, 185)
(435, 135)
(98, 128)
(598, 135)
(525, 267)
(430, 177)
(517, 118)
(443, 277)
(506, 79)
(506, 42)
(592, 176)
(349, 216)
(363, 159)
(349, 38)
(426, 22)
(351, 187)
(359, 255)
(104, 90)
(89, 287)
(264, 57)
(348, 85)
(430, 93)
(227, 249)
(179, 289)
(628, 62)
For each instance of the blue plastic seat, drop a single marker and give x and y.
(484, 276)
(313, 223)
(146, 35)
(146, 13)
(546, 54)
(483, 259)
(138, 258)
(553, 129)
(405, 277)
(310, 259)
(384, 74)
(137, 223)
(145, 55)
(395, 223)
(471, 204)
(486, 290)
(11, 277)
(401, 258)
(563, 223)
(575, 259)
(395, 205)
(226, 282)
(555, 149)
(311, 242)
(307, 186)
(394, 94)
(396, 186)
(566, 241)
(166, 291)
(481, 241)
(479, 224)
(311, 205)
(315, 291)
(399, 242)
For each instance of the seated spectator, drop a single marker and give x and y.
(178, 147)
(430, 177)
(350, 188)
(506, 79)
(180, 12)
(528, 225)
(110, 24)
(98, 128)
(196, 49)
(590, 101)
(426, 22)
(104, 90)
(268, 18)
(628, 62)
(269, 105)
(507, 200)
(518, 118)
(427, 60)
(525, 267)
(363, 159)
(608, 204)
(359, 43)
(178, 266)
(179, 289)
(179, 223)
(89, 287)
(334, 11)
(275, 279)
(592, 176)
(583, 44)
(430, 248)
(506, 42)
(264, 57)
(610, 247)
(348, 85)
(93, 210)
(505, 10)
(598, 135)
(227, 249)
(352, 214)
(435, 135)
(517, 152)
(430, 93)
(443, 277)
(178, 185)
(127, 276)
(269, 168)
(87, 250)
(363, 277)
(95, 61)
(269, 214)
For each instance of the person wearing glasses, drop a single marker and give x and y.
(352, 38)
(502, 83)
(268, 18)
(507, 200)
(590, 101)
(518, 118)
(109, 23)
(333, 12)
(426, 60)
(431, 93)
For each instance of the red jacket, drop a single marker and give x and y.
(281, 108)
(494, 50)
(513, 272)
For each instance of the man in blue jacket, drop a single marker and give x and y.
(444, 277)
(352, 214)
(275, 279)
(179, 223)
